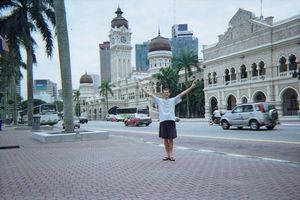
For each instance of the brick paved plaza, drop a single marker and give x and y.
(120, 168)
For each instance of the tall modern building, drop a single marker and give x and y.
(45, 90)
(105, 74)
(96, 81)
(141, 60)
(182, 38)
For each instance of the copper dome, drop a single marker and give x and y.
(86, 78)
(119, 21)
(159, 44)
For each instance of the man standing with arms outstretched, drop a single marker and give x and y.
(167, 126)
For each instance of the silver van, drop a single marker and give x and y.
(253, 115)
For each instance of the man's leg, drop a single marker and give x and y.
(170, 148)
(166, 143)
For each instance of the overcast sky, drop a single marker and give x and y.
(89, 24)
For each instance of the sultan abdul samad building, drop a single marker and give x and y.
(254, 60)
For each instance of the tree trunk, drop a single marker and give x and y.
(187, 95)
(65, 63)
(14, 98)
(29, 85)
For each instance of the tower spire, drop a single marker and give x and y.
(261, 15)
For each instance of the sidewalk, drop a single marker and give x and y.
(122, 168)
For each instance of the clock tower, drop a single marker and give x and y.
(120, 47)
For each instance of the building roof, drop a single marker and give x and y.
(159, 43)
(119, 21)
(86, 78)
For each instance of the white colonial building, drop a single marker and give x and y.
(254, 60)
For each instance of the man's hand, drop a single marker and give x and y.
(193, 84)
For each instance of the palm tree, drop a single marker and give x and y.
(76, 97)
(26, 17)
(105, 89)
(168, 77)
(65, 63)
(186, 61)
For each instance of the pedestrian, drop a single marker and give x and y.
(167, 126)
(216, 115)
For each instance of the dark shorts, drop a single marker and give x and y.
(167, 130)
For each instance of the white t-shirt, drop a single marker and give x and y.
(166, 107)
(217, 113)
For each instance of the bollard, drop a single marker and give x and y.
(36, 122)
(0, 124)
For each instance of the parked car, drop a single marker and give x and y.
(137, 120)
(110, 117)
(253, 115)
(83, 120)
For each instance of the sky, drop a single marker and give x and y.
(89, 23)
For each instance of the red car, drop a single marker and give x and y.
(138, 120)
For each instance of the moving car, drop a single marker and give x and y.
(137, 120)
(253, 115)
(83, 120)
(110, 117)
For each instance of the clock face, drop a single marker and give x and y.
(123, 39)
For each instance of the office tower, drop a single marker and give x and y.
(105, 74)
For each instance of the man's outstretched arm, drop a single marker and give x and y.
(189, 89)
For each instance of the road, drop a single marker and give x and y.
(281, 144)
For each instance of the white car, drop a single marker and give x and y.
(253, 115)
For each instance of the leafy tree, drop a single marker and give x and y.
(105, 89)
(10, 63)
(76, 97)
(60, 105)
(197, 100)
(26, 17)
(186, 60)
(168, 77)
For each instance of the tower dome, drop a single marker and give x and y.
(86, 78)
(119, 21)
(159, 44)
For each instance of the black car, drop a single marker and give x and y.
(83, 120)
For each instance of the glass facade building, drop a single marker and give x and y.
(141, 54)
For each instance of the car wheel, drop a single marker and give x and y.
(270, 127)
(225, 125)
(254, 125)
(147, 124)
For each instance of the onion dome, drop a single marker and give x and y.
(159, 44)
(119, 21)
(86, 78)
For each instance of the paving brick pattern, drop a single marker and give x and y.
(119, 168)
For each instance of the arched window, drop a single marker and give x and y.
(227, 76)
(233, 74)
(209, 79)
(262, 69)
(243, 72)
(282, 64)
(254, 70)
(214, 77)
(292, 62)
